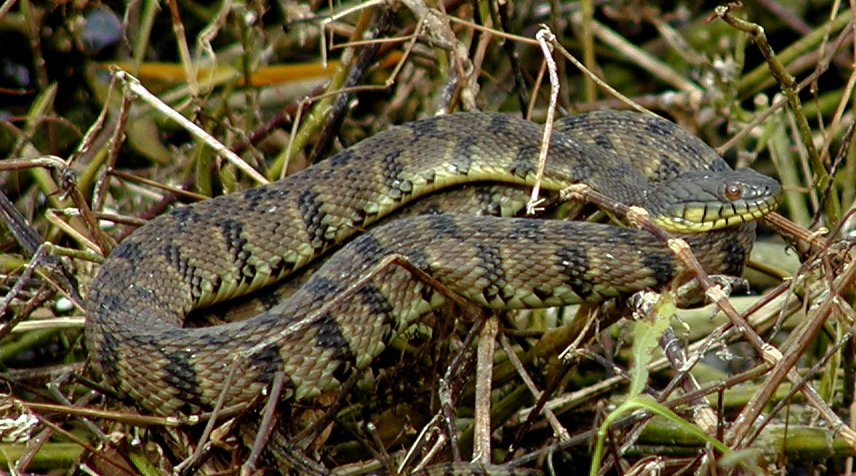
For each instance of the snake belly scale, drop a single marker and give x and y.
(225, 247)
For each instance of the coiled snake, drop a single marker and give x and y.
(221, 248)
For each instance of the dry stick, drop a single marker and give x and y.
(183, 49)
(268, 420)
(102, 184)
(640, 57)
(133, 84)
(805, 242)
(536, 86)
(835, 123)
(195, 459)
(567, 359)
(17, 288)
(603, 84)
(470, 91)
(447, 393)
(96, 128)
(37, 299)
(67, 186)
(53, 216)
(5, 7)
(703, 414)
(558, 429)
(135, 420)
(777, 104)
(502, 10)
(83, 444)
(381, 454)
(104, 241)
(584, 18)
(339, 92)
(422, 436)
(545, 37)
(54, 390)
(786, 399)
(335, 111)
(155, 184)
(625, 422)
(784, 366)
(329, 19)
(30, 241)
(790, 88)
(484, 365)
(715, 294)
(460, 85)
(837, 164)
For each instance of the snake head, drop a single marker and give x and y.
(703, 200)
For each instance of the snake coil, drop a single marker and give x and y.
(217, 249)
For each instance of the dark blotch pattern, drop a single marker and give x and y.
(268, 360)
(445, 226)
(574, 264)
(689, 150)
(462, 157)
(667, 168)
(321, 287)
(264, 196)
(719, 166)
(494, 271)
(185, 216)
(310, 205)
(392, 169)
(661, 265)
(174, 256)
(180, 375)
(659, 127)
(110, 355)
(735, 255)
(329, 336)
(233, 231)
(379, 306)
(498, 125)
(369, 249)
(128, 250)
(419, 259)
(524, 161)
(570, 123)
(603, 141)
(425, 128)
(342, 158)
(529, 230)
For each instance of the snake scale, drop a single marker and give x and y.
(217, 249)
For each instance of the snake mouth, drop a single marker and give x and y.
(698, 217)
(706, 201)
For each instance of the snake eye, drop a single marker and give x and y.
(733, 191)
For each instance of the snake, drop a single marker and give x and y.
(369, 290)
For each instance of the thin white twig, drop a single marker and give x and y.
(545, 38)
(134, 85)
